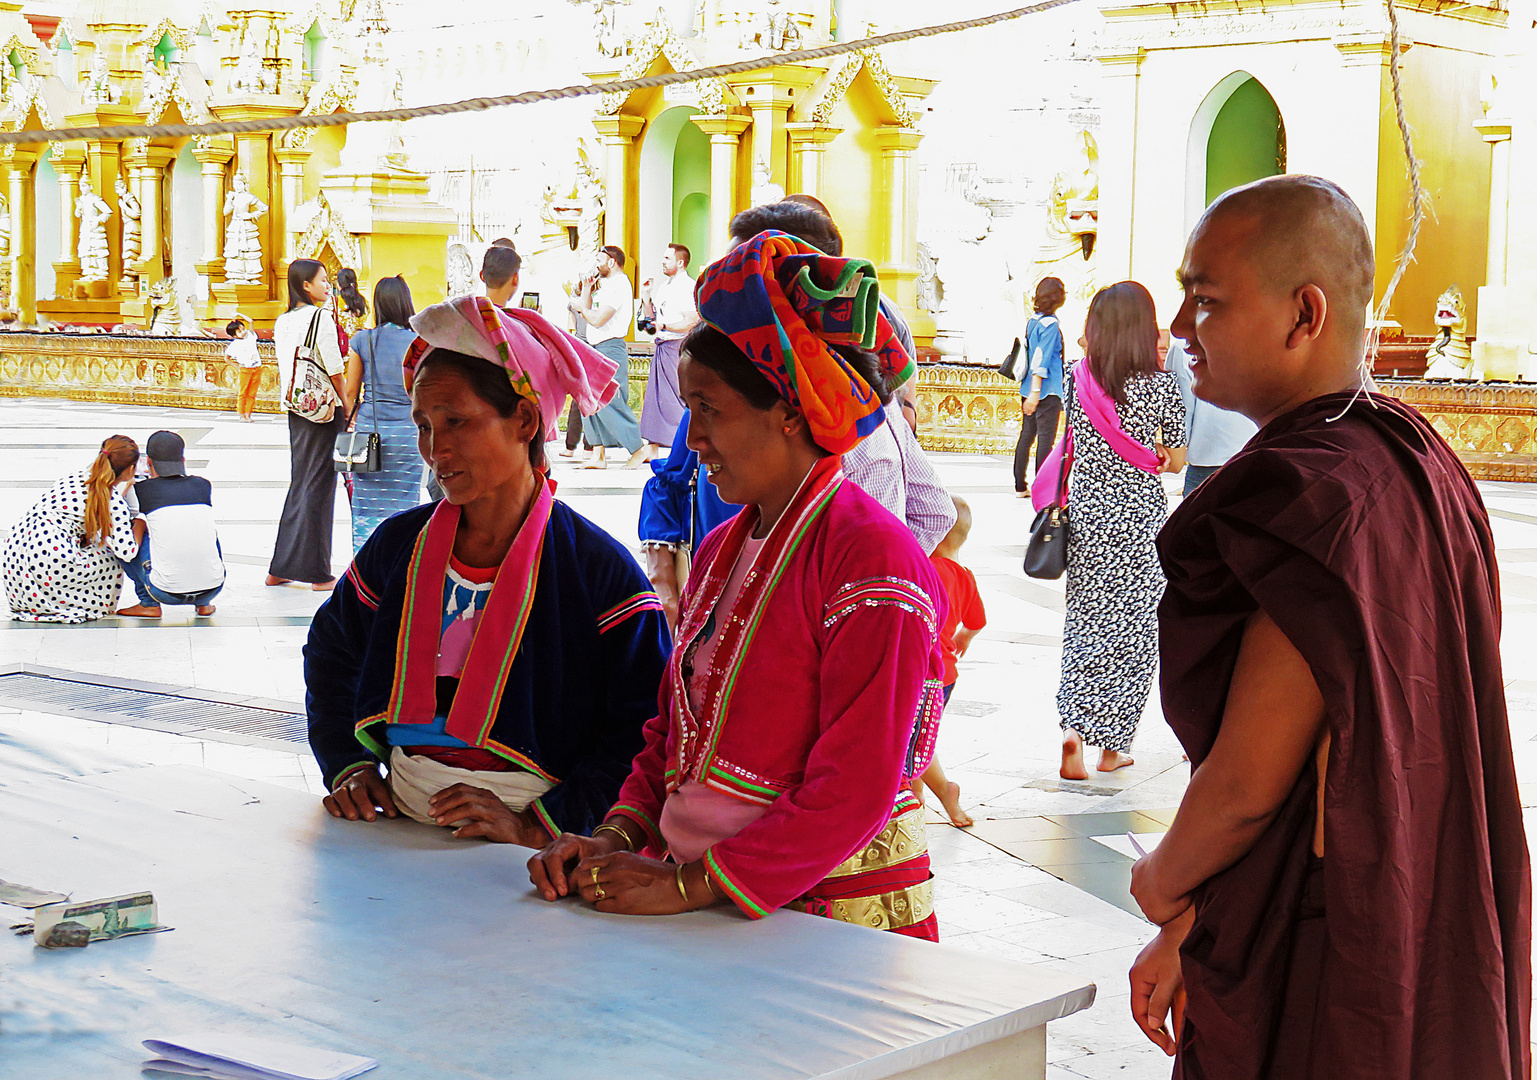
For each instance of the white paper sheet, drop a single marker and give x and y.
(250, 1057)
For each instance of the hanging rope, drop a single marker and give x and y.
(613, 86)
(1418, 200)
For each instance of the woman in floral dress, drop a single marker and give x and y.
(1117, 505)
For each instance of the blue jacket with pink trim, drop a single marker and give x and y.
(581, 688)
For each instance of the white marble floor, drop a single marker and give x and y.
(1042, 877)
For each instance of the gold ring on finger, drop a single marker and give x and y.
(600, 894)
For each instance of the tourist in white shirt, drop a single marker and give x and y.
(670, 306)
(607, 305)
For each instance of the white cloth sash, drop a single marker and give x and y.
(414, 780)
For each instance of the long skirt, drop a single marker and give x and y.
(663, 407)
(303, 550)
(614, 424)
(395, 487)
(1114, 583)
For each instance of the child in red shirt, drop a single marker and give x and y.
(964, 620)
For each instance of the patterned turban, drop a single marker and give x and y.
(785, 304)
(543, 362)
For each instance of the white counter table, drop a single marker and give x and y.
(434, 956)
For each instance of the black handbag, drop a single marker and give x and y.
(1046, 553)
(1006, 369)
(357, 452)
(360, 451)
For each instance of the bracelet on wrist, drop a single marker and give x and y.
(624, 837)
(682, 890)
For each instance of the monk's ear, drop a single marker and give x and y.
(1312, 308)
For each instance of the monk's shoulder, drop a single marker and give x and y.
(1313, 475)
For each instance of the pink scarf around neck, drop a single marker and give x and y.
(1099, 407)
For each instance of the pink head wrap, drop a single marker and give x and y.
(543, 362)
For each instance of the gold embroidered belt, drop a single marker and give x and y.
(902, 840)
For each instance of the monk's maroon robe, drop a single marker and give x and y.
(1366, 542)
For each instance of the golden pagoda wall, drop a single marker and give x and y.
(187, 373)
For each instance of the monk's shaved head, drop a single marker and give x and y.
(1304, 230)
(1277, 279)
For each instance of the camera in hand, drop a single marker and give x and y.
(646, 323)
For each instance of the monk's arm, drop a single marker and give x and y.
(1272, 722)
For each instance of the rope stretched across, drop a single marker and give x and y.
(480, 104)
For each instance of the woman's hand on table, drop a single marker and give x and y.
(363, 795)
(475, 812)
(551, 869)
(628, 884)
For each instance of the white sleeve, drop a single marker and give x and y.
(329, 346)
(930, 509)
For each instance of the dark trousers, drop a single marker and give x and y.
(1195, 476)
(573, 426)
(137, 569)
(303, 551)
(1040, 428)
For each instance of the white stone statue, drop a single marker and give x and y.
(242, 238)
(249, 76)
(764, 190)
(931, 290)
(99, 87)
(128, 206)
(93, 212)
(460, 270)
(605, 28)
(776, 28)
(164, 308)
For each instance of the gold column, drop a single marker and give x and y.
(69, 167)
(725, 144)
(618, 134)
(808, 149)
(1497, 134)
(770, 104)
(19, 165)
(213, 160)
(897, 145)
(291, 169)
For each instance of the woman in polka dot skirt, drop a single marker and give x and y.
(62, 559)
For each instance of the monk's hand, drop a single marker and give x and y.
(1158, 985)
(628, 884)
(475, 812)
(551, 869)
(363, 795)
(1159, 907)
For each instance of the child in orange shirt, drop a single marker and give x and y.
(964, 620)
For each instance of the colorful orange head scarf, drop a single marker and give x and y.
(785, 304)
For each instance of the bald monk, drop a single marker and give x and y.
(1345, 892)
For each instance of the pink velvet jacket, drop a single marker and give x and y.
(824, 697)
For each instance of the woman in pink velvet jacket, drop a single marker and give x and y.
(804, 690)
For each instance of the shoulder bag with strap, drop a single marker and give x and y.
(310, 393)
(1046, 553)
(360, 451)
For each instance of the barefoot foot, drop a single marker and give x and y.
(1111, 760)
(950, 799)
(1072, 757)
(324, 586)
(140, 611)
(206, 610)
(273, 579)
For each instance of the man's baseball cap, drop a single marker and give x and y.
(168, 452)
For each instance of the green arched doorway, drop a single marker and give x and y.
(1247, 139)
(691, 193)
(674, 190)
